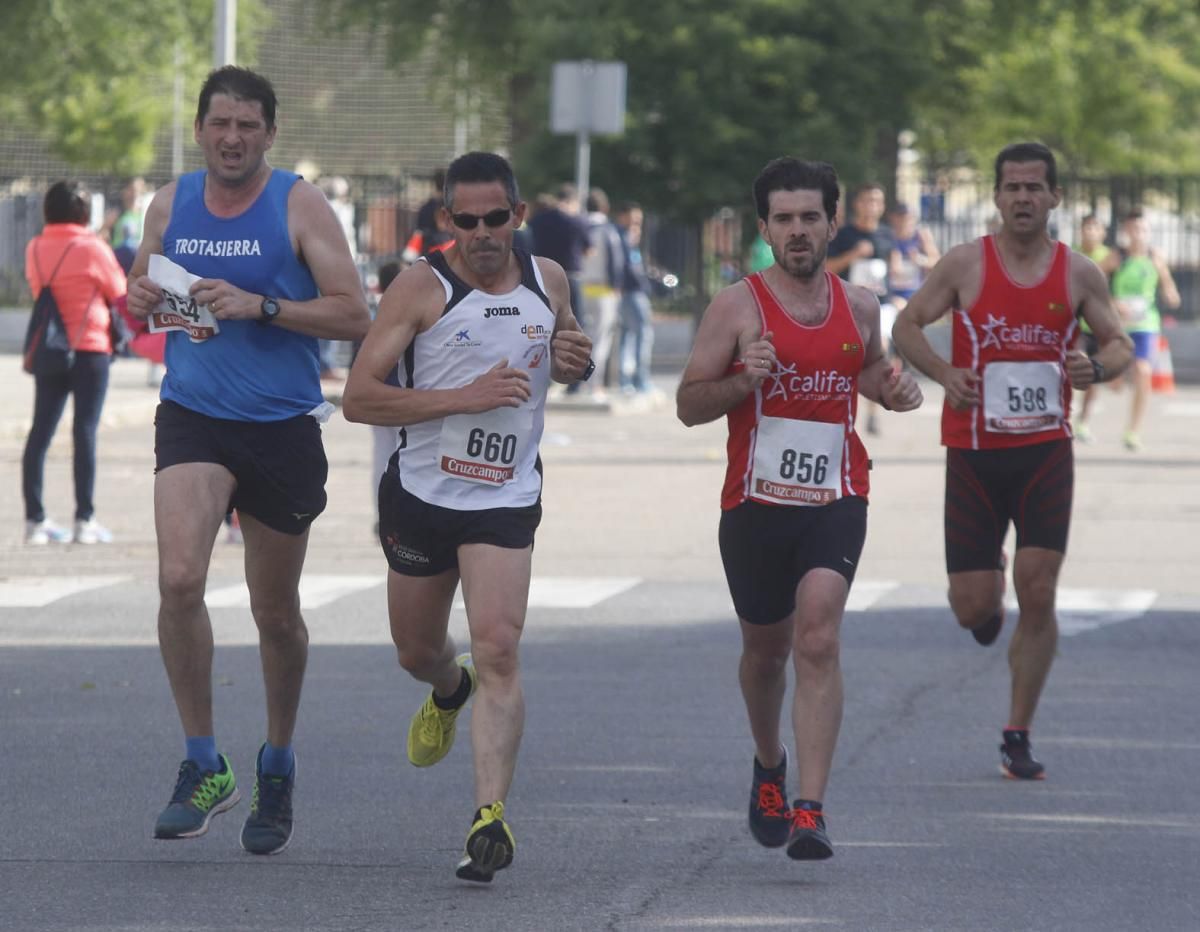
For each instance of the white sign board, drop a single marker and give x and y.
(588, 97)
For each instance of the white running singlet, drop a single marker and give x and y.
(489, 460)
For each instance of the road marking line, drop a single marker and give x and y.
(40, 591)
(572, 591)
(1081, 610)
(315, 591)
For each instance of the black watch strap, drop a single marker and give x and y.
(1097, 369)
(587, 373)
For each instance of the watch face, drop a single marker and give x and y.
(270, 309)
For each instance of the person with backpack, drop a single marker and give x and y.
(84, 280)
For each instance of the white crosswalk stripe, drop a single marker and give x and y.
(107, 619)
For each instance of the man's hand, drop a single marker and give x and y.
(1080, 371)
(900, 391)
(226, 301)
(143, 297)
(756, 352)
(499, 387)
(570, 351)
(962, 388)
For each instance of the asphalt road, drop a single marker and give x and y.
(629, 802)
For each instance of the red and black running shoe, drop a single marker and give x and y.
(768, 805)
(807, 840)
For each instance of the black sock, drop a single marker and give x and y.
(1016, 735)
(811, 805)
(458, 698)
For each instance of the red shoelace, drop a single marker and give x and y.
(771, 801)
(804, 818)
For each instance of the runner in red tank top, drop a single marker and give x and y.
(784, 356)
(1005, 423)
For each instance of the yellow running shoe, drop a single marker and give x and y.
(490, 846)
(431, 731)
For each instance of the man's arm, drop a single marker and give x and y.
(1096, 306)
(838, 262)
(570, 347)
(938, 294)
(729, 329)
(411, 304)
(144, 295)
(880, 380)
(339, 312)
(1166, 283)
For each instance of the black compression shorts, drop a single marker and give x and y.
(767, 549)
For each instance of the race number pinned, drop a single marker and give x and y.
(485, 448)
(797, 462)
(179, 310)
(1022, 397)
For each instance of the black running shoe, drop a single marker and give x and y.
(268, 828)
(1016, 757)
(987, 632)
(768, 805)
(807, 840)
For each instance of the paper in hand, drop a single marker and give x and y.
(179, 310)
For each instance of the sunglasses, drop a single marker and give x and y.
(493, 218)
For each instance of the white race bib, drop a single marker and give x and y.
(1022, 397)
(487, 447)
(178, 309)
(797, 462)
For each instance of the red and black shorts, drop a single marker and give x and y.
(1031, 486)
(767, 549)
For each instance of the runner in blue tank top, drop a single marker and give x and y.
(238, 426)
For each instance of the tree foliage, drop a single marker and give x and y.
(714, 91)
(93, 77)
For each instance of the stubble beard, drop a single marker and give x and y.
(804, 268)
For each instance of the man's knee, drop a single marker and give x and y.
(817, 642)
(974, 603)
(494, 650)
(180, 584)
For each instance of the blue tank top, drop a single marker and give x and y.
(247, 372)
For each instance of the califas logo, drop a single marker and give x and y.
(217, 247)
(501, 312)
(822, 383)
(997, 333)
(535, 331)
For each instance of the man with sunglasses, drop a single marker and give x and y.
(477, 333)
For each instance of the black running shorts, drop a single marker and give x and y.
(280, 466)
(767, 549)
(420, 539)
(1030, 486)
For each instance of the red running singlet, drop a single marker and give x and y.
(1016, 337)
(792, 441)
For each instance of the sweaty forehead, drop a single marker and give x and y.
(801, 200)
(1023, 172)
(228, 106)
(478, 197)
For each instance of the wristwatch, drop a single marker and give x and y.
(1097, 370)
(587, 373)
(269, 310)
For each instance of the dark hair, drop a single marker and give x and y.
(1134, 214)
(597, 200)
(566, 192)
(481, 167)
(628, 207)
(864, 187)
(1090, 218)
(789, 174)
(1028, 152)
(240, 84)
(67, 202)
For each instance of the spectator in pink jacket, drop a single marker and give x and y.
(85, 279)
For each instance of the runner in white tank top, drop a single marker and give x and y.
(477, 336)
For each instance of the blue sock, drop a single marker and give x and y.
(203, 751)
(277, 761)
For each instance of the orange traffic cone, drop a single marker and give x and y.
(1162, 373)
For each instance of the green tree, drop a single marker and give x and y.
(1111, 85)
(93, 77)
(714, 90)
